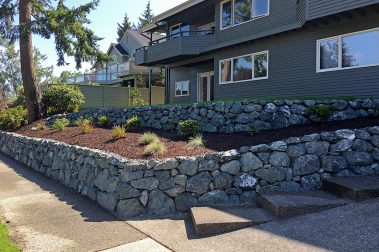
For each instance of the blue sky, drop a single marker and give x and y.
(104, 24)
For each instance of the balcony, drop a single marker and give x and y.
(175, 47)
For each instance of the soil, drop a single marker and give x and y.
(176, 146)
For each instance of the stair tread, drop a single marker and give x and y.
(215, 220)
(356, 183)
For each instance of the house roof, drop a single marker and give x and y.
(171, 12)
(118, 48)
(141, 39)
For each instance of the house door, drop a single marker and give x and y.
(204, 86)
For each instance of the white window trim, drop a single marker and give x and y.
(231, 65)
(176, 85)
(339, 68)
(252, 19)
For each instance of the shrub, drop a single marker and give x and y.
(102, 121)
(321, 112)
(60, 99)
(254, 129)
(148, 138)
(86, 126)
(136, 97)
(118, 132)
(61, 124)
(189, 128)
(42, 126)
(156, 147)
(134, 123)
(12, 118)
(195, 142)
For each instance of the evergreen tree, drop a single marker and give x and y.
(51, 18)
(146, 17)
(122, 28)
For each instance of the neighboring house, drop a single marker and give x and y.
(266, 48)
(121, 69)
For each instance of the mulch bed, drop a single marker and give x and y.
(215, 142)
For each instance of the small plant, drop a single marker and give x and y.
(148, 138)
(118, 132)
(189, 128)
(195, 142)
(136, 97)
(12, 118)
(103, 121)
(42, 126)
(254, 129)
(134, 123)
(86, 126)
(156, 147)
(321, 112)
(61, 124)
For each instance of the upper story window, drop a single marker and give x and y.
(179, 30)
(234, 12)
(360, 49)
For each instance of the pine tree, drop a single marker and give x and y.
(146, 17)
(51, 18)
(122, 28)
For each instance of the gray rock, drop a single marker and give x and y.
(167, 184)
(129, 176)
(180, 180)
(233, 191)
(222, 180)
(362, 134)
(167, 164)
(160, 203)
(363, 170)
(107, 201)
(355, 158)
(296, 150)
(375, 154)
(329, 137)
(243, 118)
(341, 146)
(317, 148)
(297, 119)
(272, 175)
(145, 183)
(279, 122)
(248, 197)
(245, 181)
(130, 208)
(278, 146)
(208, 165)
(260, 148)
(229, 155)
(125, 191)
(209, 127)
(305, 165)
(250, 162)
(375, 140)
(232, 167)
(289, 186)
(311, 138)
(162, 175)
(374, 130)
(216, 197)
(175, 191)
(293, 140)
(344, 173)
(101, 180)
(218, 120)
(270, 108)
(185, 202)
(279, 159)
(361, 145)
(144, 198)
(199, 183)
(236, 108)
(333, 163)
(189, 167)
(345, 134)
(311, 182)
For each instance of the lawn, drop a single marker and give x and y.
(6, 244)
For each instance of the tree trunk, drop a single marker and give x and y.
(31, 87)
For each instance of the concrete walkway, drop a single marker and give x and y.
(44, 216)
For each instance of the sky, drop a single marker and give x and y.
(104, 23)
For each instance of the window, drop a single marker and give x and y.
(354, 50)
(244, 68)
(235, 12)
(182, 88)
(180, 30)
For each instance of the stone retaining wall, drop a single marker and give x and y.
(160, 187)
(232, 117)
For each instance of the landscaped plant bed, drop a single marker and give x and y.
(175, 146)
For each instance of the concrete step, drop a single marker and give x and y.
(216, 220)
(355, 188)
(290, 204)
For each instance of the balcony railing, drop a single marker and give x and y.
(106, 75)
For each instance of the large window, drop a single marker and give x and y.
(354, 50)
(244, 68)
(182, 88)
(180, 30)
(234, 12)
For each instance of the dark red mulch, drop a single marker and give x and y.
(128, 147)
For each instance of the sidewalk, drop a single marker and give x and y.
(44, 216)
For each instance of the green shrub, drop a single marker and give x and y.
(42, 126)
(321, 112)
(61, 124)
(102, 121)
(86, 126)
(148, 138)
(195, 142)
(118, 132)
(60, 99)
(134, 123)
(12, 118)
(189, 128)
(136, 98)
(156, 147)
